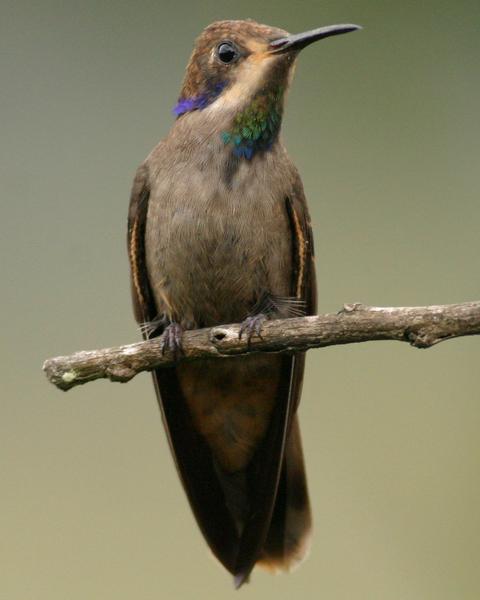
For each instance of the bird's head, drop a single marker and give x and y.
(242, 69)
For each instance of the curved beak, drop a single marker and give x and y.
(300, 40)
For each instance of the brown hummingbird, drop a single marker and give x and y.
(219, 232)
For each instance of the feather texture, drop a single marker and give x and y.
(219, 230)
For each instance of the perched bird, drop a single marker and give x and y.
(219, 232)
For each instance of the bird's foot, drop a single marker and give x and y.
(154, 327)
(252, 326)
(172, 339)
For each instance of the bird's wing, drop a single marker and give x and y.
(269, 464)
(190, 452)
(143, 302)
(303, 276)
(304, 283)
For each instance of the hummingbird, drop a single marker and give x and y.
(219, 232)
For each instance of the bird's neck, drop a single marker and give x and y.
(246, 127)
(198, 101)
(256, 125)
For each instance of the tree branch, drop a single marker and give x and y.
(421, 326)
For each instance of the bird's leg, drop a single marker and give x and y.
(172, 339)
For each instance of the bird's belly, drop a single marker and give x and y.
(209, 268)
(216, 278)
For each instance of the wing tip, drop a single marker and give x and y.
(240, 578)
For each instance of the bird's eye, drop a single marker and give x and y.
(227, 52)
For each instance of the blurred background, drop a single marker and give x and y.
(383, 125)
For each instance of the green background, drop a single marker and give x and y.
(383, 125)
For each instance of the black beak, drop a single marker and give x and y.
(300, 40)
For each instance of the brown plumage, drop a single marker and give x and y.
(219, 232)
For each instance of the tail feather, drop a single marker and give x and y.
(289, 536)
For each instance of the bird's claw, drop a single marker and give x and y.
(252, 326)
(172, 339)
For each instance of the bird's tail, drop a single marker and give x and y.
(288, 539)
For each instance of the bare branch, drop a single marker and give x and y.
(421, 326)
